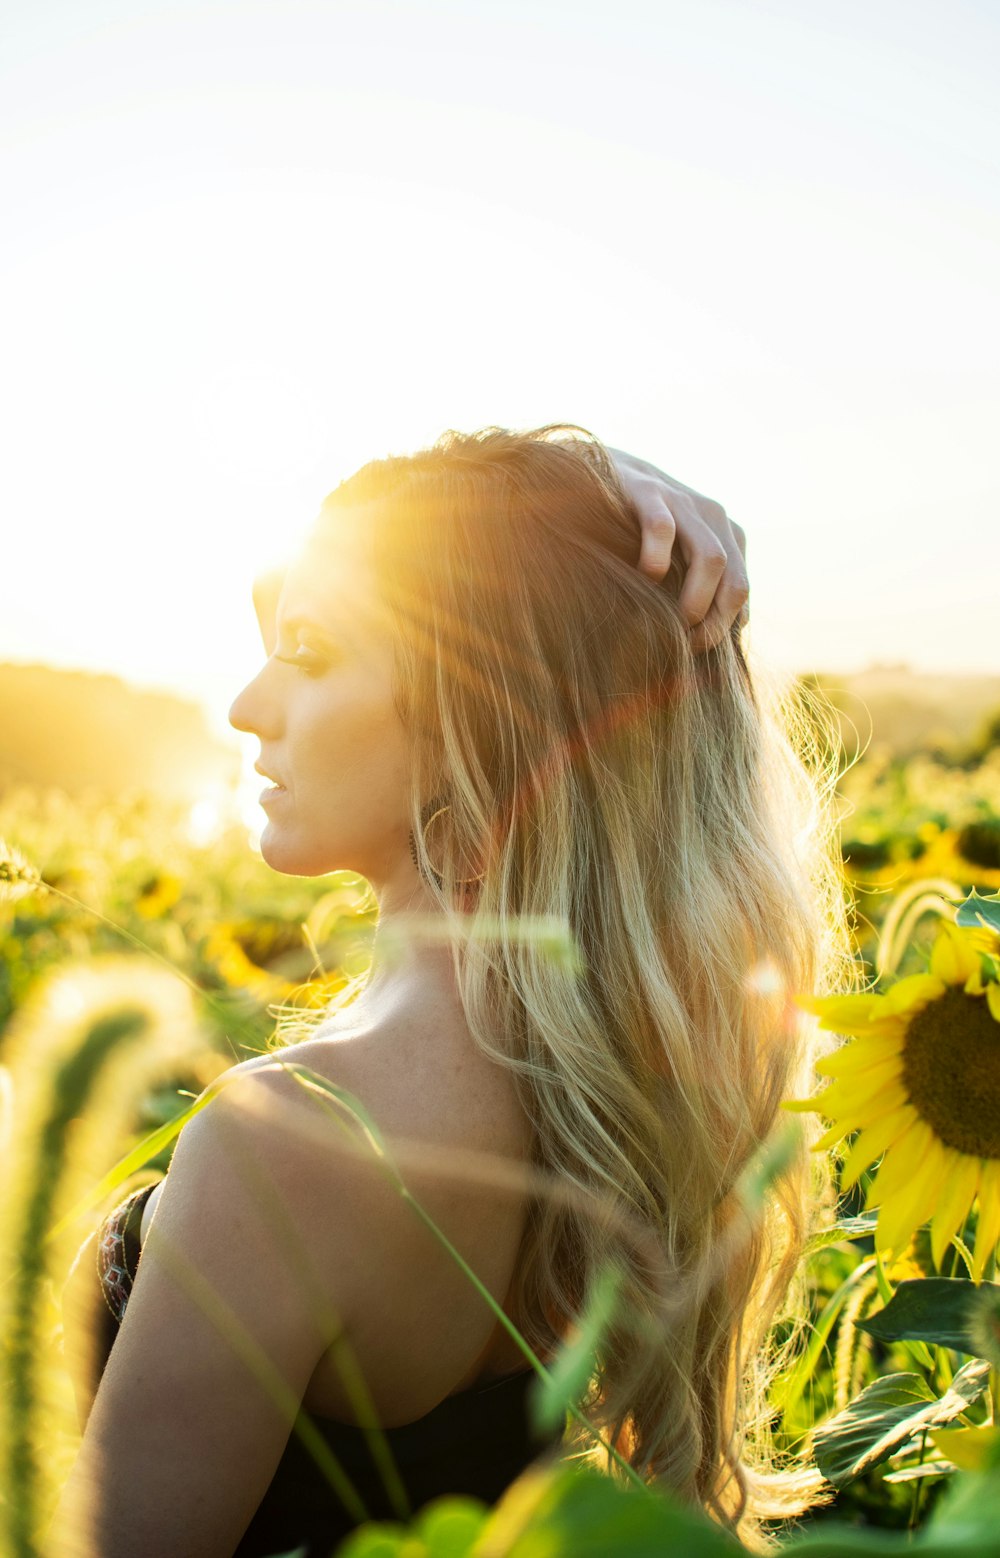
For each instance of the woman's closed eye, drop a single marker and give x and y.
(305, 659)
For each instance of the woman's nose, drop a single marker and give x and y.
(252, 711)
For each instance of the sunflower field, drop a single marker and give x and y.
(129, 914)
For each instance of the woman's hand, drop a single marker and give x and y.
(716, 588)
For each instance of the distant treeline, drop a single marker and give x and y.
(903, 712)
(80, 731)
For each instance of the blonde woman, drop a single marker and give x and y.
(488, 694)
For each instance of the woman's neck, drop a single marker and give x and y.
(411, 960)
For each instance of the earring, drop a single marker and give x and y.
(433, 809)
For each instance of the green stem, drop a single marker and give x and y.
(885, 1287)
(943, 1367)
(917, 1481)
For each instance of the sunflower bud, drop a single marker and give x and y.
(17, 875)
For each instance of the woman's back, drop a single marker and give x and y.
(424, 1331)
(440, 1372)
(425, 1083)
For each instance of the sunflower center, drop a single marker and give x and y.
(951, 1068)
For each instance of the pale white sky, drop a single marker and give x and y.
(250, 245)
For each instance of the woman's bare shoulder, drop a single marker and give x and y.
(448, 1116)
(444, 1110)
(420, 1074)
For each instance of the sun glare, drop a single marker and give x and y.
(204, 822)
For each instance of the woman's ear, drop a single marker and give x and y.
(266, 590)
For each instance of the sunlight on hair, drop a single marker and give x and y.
(765, 978)
(651, 825)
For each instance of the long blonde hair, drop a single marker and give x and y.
(674, 813)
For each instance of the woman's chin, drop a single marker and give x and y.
(278, 850)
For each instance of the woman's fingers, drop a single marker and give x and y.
(704, 579)
(659, 527)
(714, 627)
(716, 589)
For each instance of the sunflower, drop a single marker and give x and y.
(233, 950)
(964, 855)
(157, 894)
(921, 1085)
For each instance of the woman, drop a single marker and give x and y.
(477, 700)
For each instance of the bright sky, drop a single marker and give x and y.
(251, 245)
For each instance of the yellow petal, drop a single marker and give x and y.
(843, 1013)
(993, 999)
(829, 1138)
(860, 1105)
(899, 1164)
(988, 1229)
(915, 991)
(914, 1203)
(870, 1143)
(974, 984)
(803, 1105)
(961, 1184)
(953, 957)
(859, 1055)
(869, 1082)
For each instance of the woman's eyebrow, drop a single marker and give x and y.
(347, 629)
(303, 621)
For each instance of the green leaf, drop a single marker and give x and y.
(836, 1540)
(378, 1539)
(926, 1309)
(978, 911)
(887, 1413)
(966, 1517)
(917, 1473)
(450, 1526)
(575, 1511)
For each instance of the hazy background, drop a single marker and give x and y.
(250, 245)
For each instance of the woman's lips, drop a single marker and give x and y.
(273, 787)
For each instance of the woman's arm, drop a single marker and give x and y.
(716, 588)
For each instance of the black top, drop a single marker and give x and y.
(474, 1442)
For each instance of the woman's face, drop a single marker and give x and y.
(322, 709)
